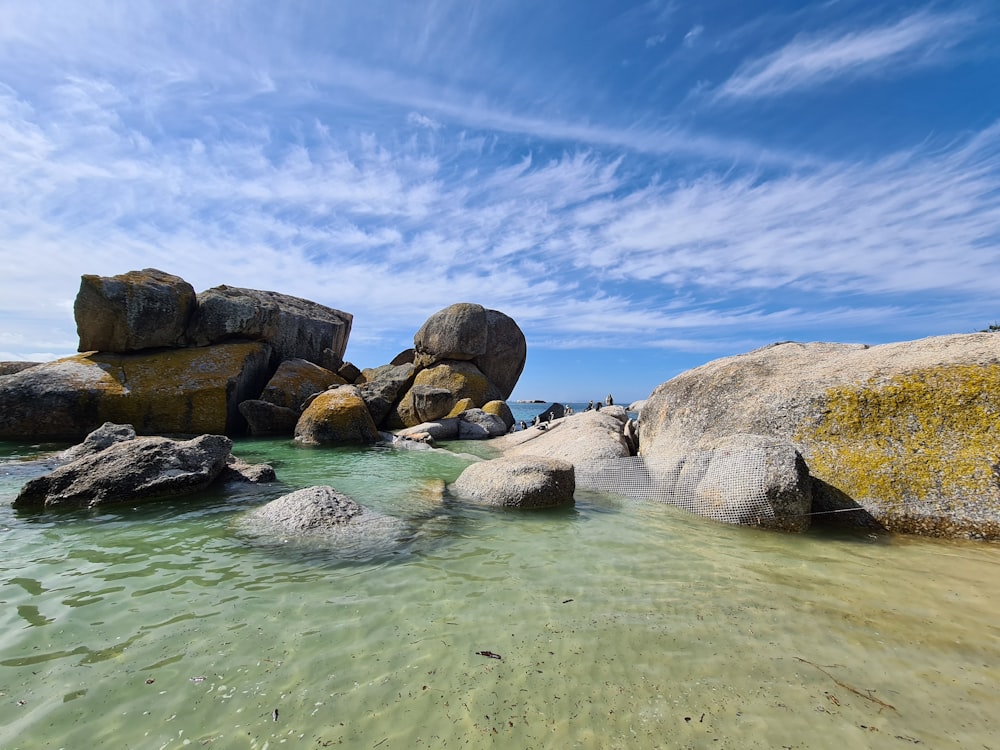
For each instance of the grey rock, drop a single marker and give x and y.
(583, 437)
(465, 331)
(295, 327)
(476, 424)
(264, 418)
(518, 482)
(296, 380)
(382, 388)
(132, 471)
(9, 368)
(134, 311)
(907, 431)
(104, 436)
(238, 470)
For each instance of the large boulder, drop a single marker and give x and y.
(173, 391)
(382, 388)
(134, 311)
(583, 438)
(295, 327)
(747, 480)
(466, 331)
(265, 418)
(456, 379)
(908, 431)
(295, 381)
(518, 482)
(130, 471)
(470, 424)
(338, 415)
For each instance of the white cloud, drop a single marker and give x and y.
(809, 61)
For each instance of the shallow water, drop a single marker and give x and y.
(617, 625)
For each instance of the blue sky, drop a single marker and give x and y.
(642, 186)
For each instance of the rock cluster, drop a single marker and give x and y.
(229, 360)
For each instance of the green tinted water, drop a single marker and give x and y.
(617, 624)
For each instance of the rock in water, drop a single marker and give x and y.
(907, 430)
(518, 482)
(131, 471)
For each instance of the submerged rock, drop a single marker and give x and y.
(518, 482)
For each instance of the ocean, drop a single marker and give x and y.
(612, 624)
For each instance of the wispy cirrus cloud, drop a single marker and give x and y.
(809, 61)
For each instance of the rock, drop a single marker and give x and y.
(476, 424)
(405, 357)
(458, 332)
(338, 415)
(264, 418)
(383, 386)
(349, 372)
(584, 437)
(518, 482)
(441, 429)
(501, 409)
(9, 368)
(460, 379)
(431, 403)
(636, 406)
(173, 391)
(553, 411)
(747, 480)
(104, 436)
(296, 328)
(465, 331)
(238, 470)
(134, 311)
(906, 430)
(295, 381)
(132, 471)
(324, 515)
(506, 352)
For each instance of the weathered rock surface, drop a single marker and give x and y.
(908, 430)
(382, 388)
(461, 379)
(294, 327)
(471, 424)
(9, 368)
(189, 391)
(130, 471)
(741, 479)
(518, 482)
(338, 415)
(295, 381)
(264, 418)
(466, 331)
(589, 436)
(134, 311)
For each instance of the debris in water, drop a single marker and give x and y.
(274, 715)
(867, 697)
(489, 654)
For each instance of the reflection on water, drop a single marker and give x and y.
(615, 624)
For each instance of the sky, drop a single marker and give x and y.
(642, 186)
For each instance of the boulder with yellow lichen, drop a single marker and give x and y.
(189, 391)
(909, 432)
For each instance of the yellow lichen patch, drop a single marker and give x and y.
(462, 405)
(190, 391)
(928, 440)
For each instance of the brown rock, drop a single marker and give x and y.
(338, 415)
(134, 311)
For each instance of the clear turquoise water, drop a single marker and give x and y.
(618, 624)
